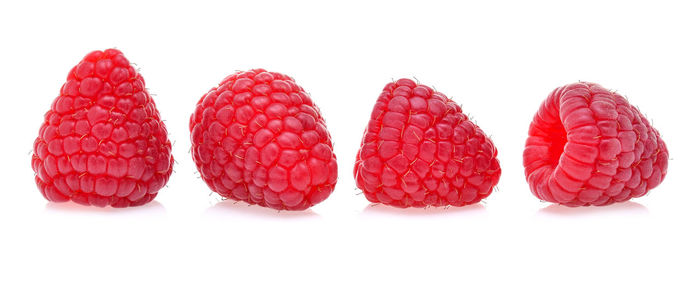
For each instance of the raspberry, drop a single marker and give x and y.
(102, 142)
(419, 150)
(589, 146)
(259, 138)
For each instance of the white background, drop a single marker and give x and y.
(498, 59)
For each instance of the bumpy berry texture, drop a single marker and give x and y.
(420, 150)
(102, 142)
(259, 138)
(589, 146)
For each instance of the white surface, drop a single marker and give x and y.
(499, 60)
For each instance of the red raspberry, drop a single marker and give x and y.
(589, 146)
(259, 138)
(419, 150)
(102, 142)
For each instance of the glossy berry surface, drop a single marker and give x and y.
(589, 146)
(259, 138)
(102, 142)
(419, 150)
